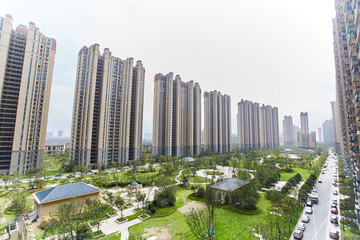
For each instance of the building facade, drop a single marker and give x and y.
(177, 116)
(288, 131)
(320, 135)
(108, 109)
(269, 127)
(26, 67)
(337, 125)
(217, 121)
(328, 132)
(305, 139)
(248, 124)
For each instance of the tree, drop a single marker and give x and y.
(111, 201)
(84, 232)
(34, 175)
(6, 180)
(120, 204)
(94, 210)
(203, 223)
(139, 198)
(18, 202)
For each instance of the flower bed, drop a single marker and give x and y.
(98, 234)
(93, 224)
(214, 173)
(136, 210)
(121, 220)
(112, 215)
(143, 217)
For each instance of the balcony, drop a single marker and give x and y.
(357, 12)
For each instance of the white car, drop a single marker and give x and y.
(300, 226)
(308, 210)
(305, 218)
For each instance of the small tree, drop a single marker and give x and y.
(84, 232)
(120, 204)
(94, 210)
(110, 200)
(139, 198)
(18, 202)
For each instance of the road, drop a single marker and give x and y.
(319, 226)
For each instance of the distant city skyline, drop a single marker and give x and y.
(197, 54)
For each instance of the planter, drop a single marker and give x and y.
(120, 221)
(110, 216)
(136, 210)
(128, 205)
(93, 226)
(99, 236)
(144, 218)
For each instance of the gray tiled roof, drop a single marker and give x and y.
(65, 191)
(133, 184)
(230, 185)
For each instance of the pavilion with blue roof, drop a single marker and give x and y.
(47, 201)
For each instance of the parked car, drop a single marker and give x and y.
(308, 210)
(334, 201)
(333, 205)
(300, 226)
(334, 234)
(320, 181)
(334, 211)
(305, 218)
(309, 203)
(58, 175)
(335, 192)
(334, 219)
(298, 234)
(323, 172)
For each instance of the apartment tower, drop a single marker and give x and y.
(305, 139)
(177, 116)
(248, 125)
(26, 67)
(328, 132)
(217, 121)
(108, 109)
(269, 127)
(288, 131)
(304, 122)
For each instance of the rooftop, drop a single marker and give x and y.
(65, 191)
(187, 159)
(230, 184)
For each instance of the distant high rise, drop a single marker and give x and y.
(60, 133)
(328, 132)
(177, 116)
(320, 134)
(49, 134)
(26, 67)
(304, 122)
(248, 125)
(289, 132)
(108, 109)
(337, 125)
(269, 127)
(305, 139)
(217, 119)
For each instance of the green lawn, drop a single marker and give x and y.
(230, 225)
(303, 172)
(347, 234)
(52, 171)
(112, 237)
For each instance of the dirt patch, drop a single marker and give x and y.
(160, 233)
(192, 205)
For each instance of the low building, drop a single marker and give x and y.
(47, 201)
(51, 149)
(188, 160)
(306, 140)
(226, 187)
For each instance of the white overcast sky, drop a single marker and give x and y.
(276, 52)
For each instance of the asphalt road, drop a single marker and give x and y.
(319, 226)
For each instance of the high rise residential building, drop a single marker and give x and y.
(49, 134)
(26, 67)
(304, 122)
(248, 125)
(337, 125)
(346, 34)
(306, 139)
(60, 133)
(108, 109)
(269, 127)
(328, 132)
(217, 121)
(320, 135)
(289, 131)
(177, 116)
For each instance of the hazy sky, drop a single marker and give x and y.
(276, 52)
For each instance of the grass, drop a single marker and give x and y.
(303, 172)
(112, 237)
(110, 211)
(347, 234)
(198, 179)
(178, 228)
(97, 233)
(52, 171)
